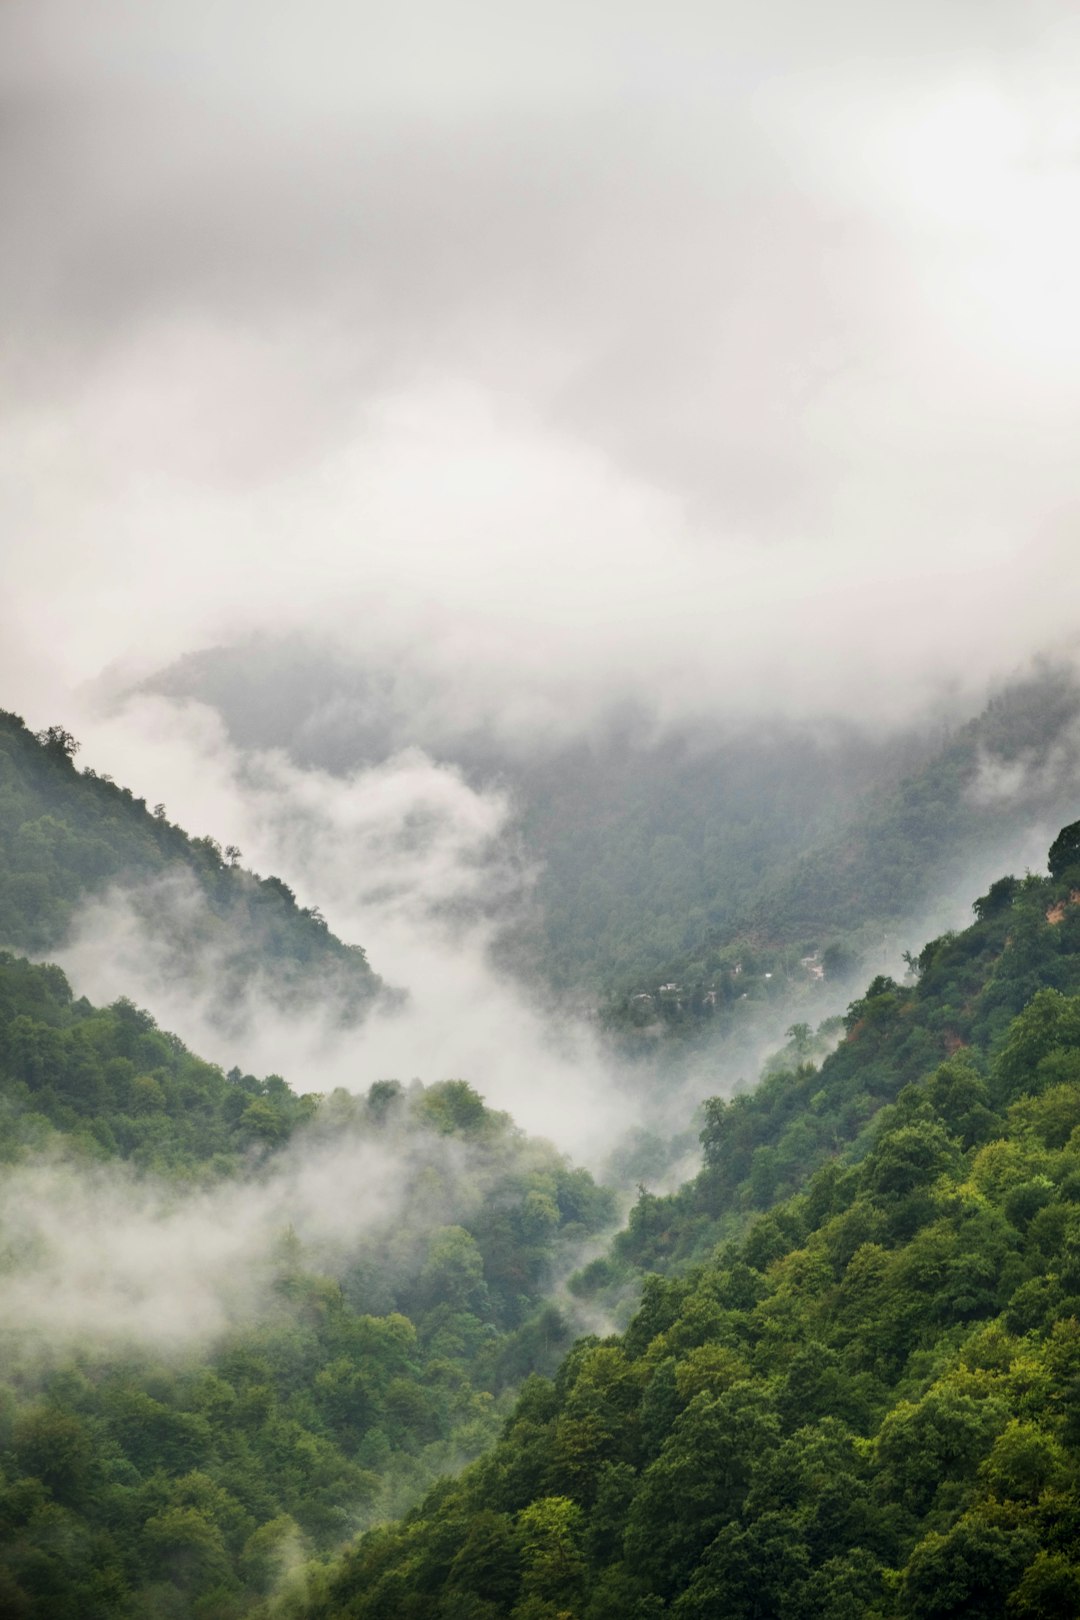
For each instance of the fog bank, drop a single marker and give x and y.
(403, 858)
(708, 359)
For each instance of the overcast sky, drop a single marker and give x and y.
(722, 355)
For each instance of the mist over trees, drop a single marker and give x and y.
(848, 1388)
(70, 836)
(674, 857)
(841, 1385)
(344, 1292)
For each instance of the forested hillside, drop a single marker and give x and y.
(666, 859)
(847, 1390)
(68, 835)
(860, 1403)
(819, 913)
(760, 1145)
(106, 1082)
(149, 1469)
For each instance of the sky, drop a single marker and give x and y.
(716, 357)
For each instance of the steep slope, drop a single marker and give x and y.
(662, 858)
(236, 1323)
(67, 836)
(645, 843)
(760, 1145)
(1001, 781)
(865, 1405)
(107, 1083)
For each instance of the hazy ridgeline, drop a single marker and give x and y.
(653, 850)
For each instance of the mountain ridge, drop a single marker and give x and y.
(68, 837)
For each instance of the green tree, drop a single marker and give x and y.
(1064, 853)
(966, 1574)
(552, 1558)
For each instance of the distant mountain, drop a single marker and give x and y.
(901, 855)
(1003, 781)
(657, 855)
(69, 836)
(644, 844)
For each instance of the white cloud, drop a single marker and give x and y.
(97, 1257)
(404, 858)
(714, 359)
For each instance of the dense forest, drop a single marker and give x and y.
(143, 1479)
(68, 835)
(154, 1481)
(834, 1374)
(860, 1401)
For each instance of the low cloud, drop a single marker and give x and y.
(405, 859)
(95, 1257)
(1033, 778)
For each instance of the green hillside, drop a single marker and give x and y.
(826, 906)
(848, 1390)
(760, 1145)
(143, 1481)
(67, 836)
(107, 1083)
(860, 1403)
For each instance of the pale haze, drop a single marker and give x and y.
(704, 356)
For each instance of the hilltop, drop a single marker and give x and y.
(69, 836)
